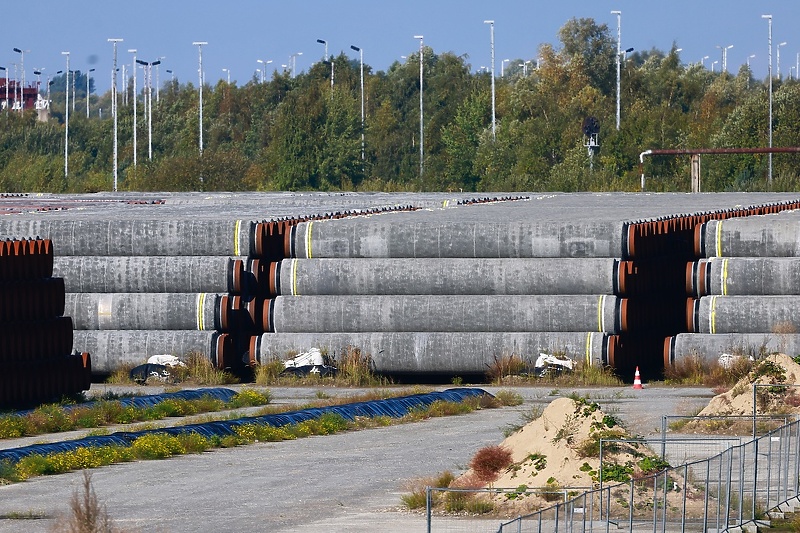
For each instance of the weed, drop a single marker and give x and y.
(509, 397)
(489, 461)
(505, 365)
(88, 515)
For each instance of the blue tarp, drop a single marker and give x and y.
(150, 400)
(393, 407)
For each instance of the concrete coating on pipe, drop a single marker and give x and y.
(747, 275)
(112, 350)
(297, 314)
(153, 311)
(748, 314)
(438, 352)
(710, 347)
(147, 274)
(446, 276)
(775, 235)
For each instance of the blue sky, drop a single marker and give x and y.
(239, 32)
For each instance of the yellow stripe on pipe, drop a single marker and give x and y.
(294, 277)
(712, 316)
(308, 239)
(719, 238)
(600, 317)
(724, 277)
(589, 349)
(236, 227)
(201, 300)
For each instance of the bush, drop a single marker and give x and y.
(489, 461)
(509, 398)
(157, 446)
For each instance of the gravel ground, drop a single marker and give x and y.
(346, 482)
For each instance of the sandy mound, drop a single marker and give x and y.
(776, 370)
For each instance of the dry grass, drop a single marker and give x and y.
(87, 514)
(694, 370)
(489, 461)
(355, 369)
(504, 366)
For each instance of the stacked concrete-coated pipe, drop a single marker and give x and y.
(36, 359)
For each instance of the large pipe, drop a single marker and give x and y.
(758, 236)
(114, 350)
(139, 237)
(743, 275)
(446, 353)
(446, 276)
(709, 348)
(152, 274)
(340, 314)
(125, 311)
(387, 237)
(744, 314)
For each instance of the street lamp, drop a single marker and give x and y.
(148, 102)
(778, 48)
(491, 39)
(749, 73)
(361, 54)
(199, 45)
(114, 105)
(158, 82)
(264, 70)
(769, 40)
(525, 68)
(323, 41)
(87, 91)
(725, 56)
(421, 120)
(135, 97)
(502, 67)
(712, 65)
(702, 60)
(293, 61)
(22, 68)
(4, 69)
(66, 118)
(619, 50)
(228, 72)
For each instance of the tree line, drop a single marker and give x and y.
(301, 133)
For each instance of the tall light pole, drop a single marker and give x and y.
(114, 105)
(702, 60)
(361, 54)
(619, 51)
(22, 76)
(66, 118)
(87, 91)
(778, 48)
(293, 57)
(148, 101)
(503, 67)
(199, 45)
(712, 65)
(421, 120)
(724, 56)
(158, 81)
(264, 71)
(135, 97)
(228, 72)
(323, 41)
(5, 69)
(491, 40)
(769, 73)
(749, 73)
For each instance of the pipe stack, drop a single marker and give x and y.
(743, 290)
(36, 341)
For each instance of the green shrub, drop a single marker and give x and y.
(157, 446)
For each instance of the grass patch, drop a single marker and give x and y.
(694, 370)
(52, 418)
(512, 370)
(355, 369)
(162, 445)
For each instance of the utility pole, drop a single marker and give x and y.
(114, 106)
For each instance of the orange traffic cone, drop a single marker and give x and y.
(637, 380)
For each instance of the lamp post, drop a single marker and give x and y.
(421, 120)
(4, 69)
(725, 56)
(66, 118)
(135, 97)
(293, 58)
(619, 50)
(769, 73)
(702, 60)
(361, 54)
(87, 91)
(264, 70)
(749, 73)
(199, 45)
(778, 48)
(712, 65)
(148, 102)
(228, 72)
(525, 68)
(158, 82)
(323, 41)
(22, 76)
(114, 105)
(491, 40)
(502, 67)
